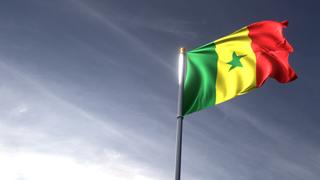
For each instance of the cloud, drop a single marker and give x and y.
(45, 137)
(39, 166)
(129, 37)
(170, 25)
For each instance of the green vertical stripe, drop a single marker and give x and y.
(200, 82)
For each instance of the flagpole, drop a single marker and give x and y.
(182, 67)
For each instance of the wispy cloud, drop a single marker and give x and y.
(41, 131)
(171, 26)
(32, 165)
(130, 38)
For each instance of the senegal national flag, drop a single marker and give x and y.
(236, 64)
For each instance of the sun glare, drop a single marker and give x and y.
(180, 68)
(35, 166)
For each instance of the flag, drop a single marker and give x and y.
(235, 64)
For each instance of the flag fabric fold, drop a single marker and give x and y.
(236, 64)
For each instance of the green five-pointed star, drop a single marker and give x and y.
(235, 62)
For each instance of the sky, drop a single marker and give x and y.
(88, 90)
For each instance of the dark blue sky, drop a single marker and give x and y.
(88, 91)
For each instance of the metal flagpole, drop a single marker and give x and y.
(182, 67)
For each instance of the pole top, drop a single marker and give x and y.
(182, 50)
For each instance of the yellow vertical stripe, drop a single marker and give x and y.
(238, 80)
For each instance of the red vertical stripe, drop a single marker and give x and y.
(272, 52)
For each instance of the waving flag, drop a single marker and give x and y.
(236, 64)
